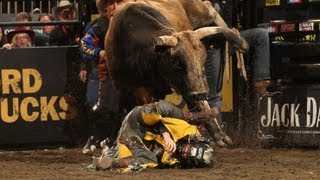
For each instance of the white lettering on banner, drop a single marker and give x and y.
(306, 26)
(6, 31)
(276, 115)
(313, 115)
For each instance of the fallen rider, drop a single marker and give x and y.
(158, 135)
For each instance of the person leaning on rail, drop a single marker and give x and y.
(39, 39)
(19, 38)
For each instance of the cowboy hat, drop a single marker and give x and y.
(18, 30)
(63, 4)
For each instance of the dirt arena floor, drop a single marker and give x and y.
(237, 163)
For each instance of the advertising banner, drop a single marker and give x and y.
(292, 117)
(272, 3)
(32, 87)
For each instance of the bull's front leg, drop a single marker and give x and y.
(219, 137)
(212, 126)
(199, 103)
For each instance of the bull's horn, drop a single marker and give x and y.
(207, 31)
(166, 41)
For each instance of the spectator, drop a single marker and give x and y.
(65, 34)
(45, 17)
(105, 120)
(19, 38)
(3, 39)
(39, 39)
(65, 11)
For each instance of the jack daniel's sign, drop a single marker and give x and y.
(291, 115)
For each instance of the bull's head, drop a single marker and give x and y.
(185, 56)
(183, 69)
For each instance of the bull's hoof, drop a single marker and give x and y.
(222, 140)
(226, 138)
(216, 133)
(217, 143)
(220, 143)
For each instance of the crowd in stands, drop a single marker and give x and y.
(53, 35)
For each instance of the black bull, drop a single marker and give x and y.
(140, 58)
(148, 57)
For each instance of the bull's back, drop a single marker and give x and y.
(183, 14)
(172, 10)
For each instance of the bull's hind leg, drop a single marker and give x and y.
(217, 19)
(231, 36)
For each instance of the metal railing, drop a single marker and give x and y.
(8, 23)
(16, 6)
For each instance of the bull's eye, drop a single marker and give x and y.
(161, 49)
(178, 65)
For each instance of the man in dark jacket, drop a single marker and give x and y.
(102, 100)
(65, 34)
